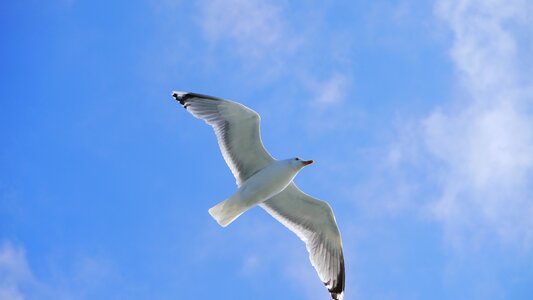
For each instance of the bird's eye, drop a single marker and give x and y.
(297, 158)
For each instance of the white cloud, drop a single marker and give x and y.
(484, 143)
(256, 28)
(330, 91)
(276, 45)
(87, 277)
(14, 272)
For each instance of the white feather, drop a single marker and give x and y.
(237, 129)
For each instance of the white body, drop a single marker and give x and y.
(268, 182)
(265, 184)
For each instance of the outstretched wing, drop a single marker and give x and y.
(313, 221)
(237, 129)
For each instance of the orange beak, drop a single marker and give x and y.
(307, 162)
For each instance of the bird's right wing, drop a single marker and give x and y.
(237, 130)
(312, 221)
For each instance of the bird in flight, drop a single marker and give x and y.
(268, 182)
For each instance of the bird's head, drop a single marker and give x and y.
(299, 163)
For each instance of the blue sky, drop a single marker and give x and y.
(418, 114)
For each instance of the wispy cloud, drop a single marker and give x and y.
(483, 143)
(14, 272)
(256, 29)
(266, 39)
(330, 91)
(86, 279)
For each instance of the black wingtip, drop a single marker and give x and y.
(338, 287)
(175, 95)
(180, 97)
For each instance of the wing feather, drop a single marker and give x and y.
(236, 128)
(313, 221)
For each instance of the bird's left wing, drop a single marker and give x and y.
(237, 129)
(312, 221)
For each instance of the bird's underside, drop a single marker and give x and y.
(237, 129)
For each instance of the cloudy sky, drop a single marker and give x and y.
(418, 114)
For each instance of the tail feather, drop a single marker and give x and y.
(227, 211)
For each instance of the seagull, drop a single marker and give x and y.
(268, 182)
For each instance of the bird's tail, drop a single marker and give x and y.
(228, 210)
